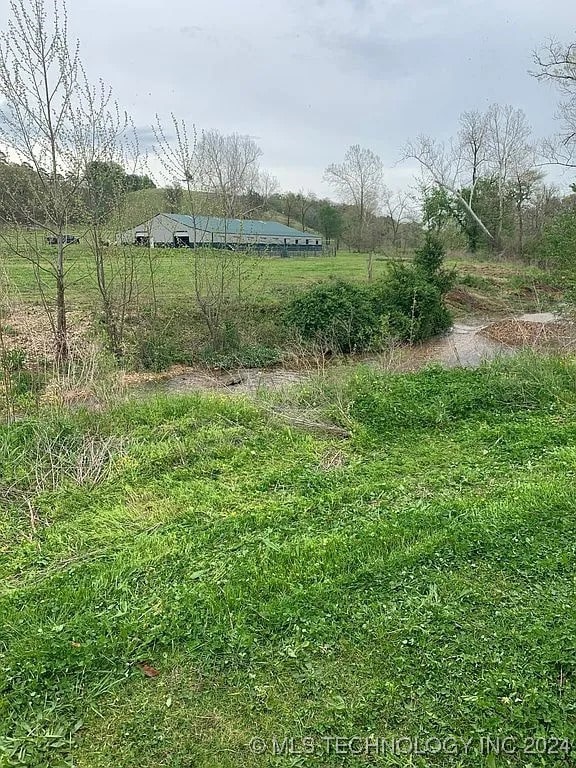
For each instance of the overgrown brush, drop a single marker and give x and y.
(405, 305)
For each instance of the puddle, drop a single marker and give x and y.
(470, 342)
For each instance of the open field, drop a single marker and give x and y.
(501, 283)
(181, 575)
(164, 321)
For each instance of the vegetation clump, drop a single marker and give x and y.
(407, 304)
(338, 314)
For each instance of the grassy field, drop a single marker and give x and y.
(181, 576)
(500, 283)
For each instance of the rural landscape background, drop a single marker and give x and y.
(265, 509)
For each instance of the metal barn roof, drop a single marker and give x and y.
(237, 226)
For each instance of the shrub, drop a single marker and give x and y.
(339, 315)
(157, 346)
(559, 242)
(412, 297)
(413, 304)
(429, 260)
(430, 257)
(244, 356)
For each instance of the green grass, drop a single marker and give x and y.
(173, 273)
(270, 278)
(415, 580)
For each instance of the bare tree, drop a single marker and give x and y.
(510, 155)
(524, 186)
(546, 202)
(228, 168)
(177, 152)
(38, 80)
(305, 202)
(473, 146)
(121, 271)
(220, 277)
(289, 202)
(494, 145)
(397, 207)
(267, 185)
(358, 181)
(556, 63)
(442, 166)
(52, 120)
(178, 156)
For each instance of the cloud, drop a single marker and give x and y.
(191, 31)
(146, 137)
(311, 77)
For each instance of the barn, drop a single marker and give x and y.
(174, 230)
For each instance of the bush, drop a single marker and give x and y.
(429, 260)
(412, 303)
(341, 316)
(412, 297)
(244, 356)
(157, 346)
(407, 304)
(558, 248)
(430, 257)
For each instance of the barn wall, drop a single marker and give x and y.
(162, 230)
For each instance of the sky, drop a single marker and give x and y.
(308, 78)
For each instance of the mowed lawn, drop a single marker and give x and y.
(211, 576)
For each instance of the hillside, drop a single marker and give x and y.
(188, 574)
(145, 203)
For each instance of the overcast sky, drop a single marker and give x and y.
(307, 78)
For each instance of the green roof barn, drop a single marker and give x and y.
(174, 230)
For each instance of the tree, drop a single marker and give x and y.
(219, 277)
(438, 207)
(135, 182)
(289, 202)
(228, 168)
(331, 223)
(509, 151)
(489, 206)
(545, 204)
(358, 181)
(473, 145)
(522, 188)
(557, 64)
(117, 266)
(173, 196)
(398, 209)
(442, 167)
(51, 120)
(305, 202)
(104, 184)
(559, 242)
(267, 186)
(17, 201)
(490, 147)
